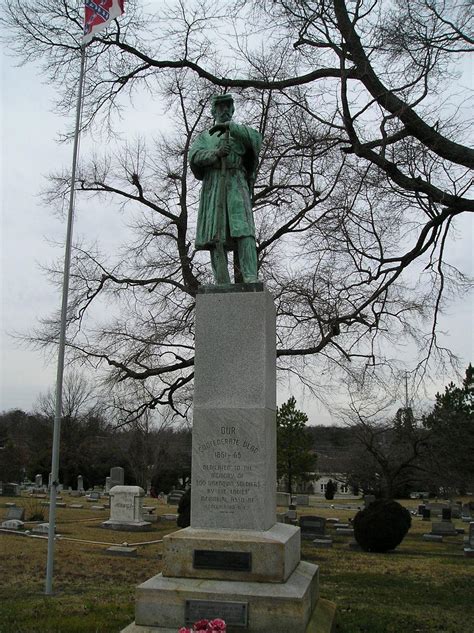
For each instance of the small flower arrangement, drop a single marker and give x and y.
(206, 626)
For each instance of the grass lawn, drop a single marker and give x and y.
(420, 588)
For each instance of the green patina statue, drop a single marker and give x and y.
(225, 159)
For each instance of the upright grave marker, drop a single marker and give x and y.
(126, 509)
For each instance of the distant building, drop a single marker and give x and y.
(316, 485)
(320, 483)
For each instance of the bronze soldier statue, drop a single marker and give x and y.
(225, 158)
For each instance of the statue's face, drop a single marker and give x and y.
(223, 111)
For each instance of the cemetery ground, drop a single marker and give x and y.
(421, 587)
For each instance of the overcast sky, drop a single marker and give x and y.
(31, 235)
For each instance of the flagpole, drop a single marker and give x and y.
(62, 340)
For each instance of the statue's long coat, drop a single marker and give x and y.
(241, 164)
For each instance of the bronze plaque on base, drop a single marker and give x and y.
(225, 561)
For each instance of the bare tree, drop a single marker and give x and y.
(393, 454)
(79, 399)
(362, 174)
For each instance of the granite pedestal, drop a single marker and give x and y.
(234, 561)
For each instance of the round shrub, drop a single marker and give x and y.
(381, 526)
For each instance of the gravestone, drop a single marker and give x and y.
(108, 485)
(174, 497)
(302, 500)
(234, 561)
(42, 528)
(466, 511)
(426, 512)
(420, 509)
(122, 550)
(312, 526)
(345, 531)
(456, 510)
(469, 549)
(283, 499)
(12, 524)
(444, 528)
(434, 538)
(446, 514)
(38, 481)
(437, 509)
(15, 513)
(117, 475)
(93, 496)
(322, 543)
(80, 483)
(126, 509)
(10, 490)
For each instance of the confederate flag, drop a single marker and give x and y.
(98, 14)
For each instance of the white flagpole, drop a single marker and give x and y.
(62, 341)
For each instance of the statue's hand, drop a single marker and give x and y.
(219, 128)
(223, 149)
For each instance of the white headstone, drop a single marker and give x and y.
(283, 499)
(13, 524)
(126, 508)
(42, 528)
(38, 481)
(80, 483)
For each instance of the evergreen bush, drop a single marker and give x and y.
(331, 489)
(381, 526)
(184, 510)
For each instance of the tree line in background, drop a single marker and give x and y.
(390, 458)
(363, 175)
(92, 441)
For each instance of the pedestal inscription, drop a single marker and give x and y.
(234, 481)
(234, 428)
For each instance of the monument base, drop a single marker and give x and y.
(323, 620)
(272, 555)
(234, 562)
(166, 604)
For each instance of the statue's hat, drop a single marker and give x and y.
(220, 98)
